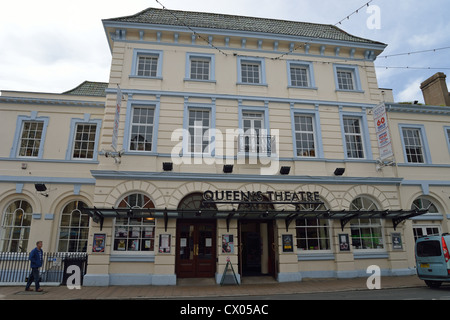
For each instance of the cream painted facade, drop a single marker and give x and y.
(304, 94)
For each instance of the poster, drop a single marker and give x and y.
(98, 245)
(164, 243)
(287, 243)
(227, 243)
(344, 244)
(397, 241)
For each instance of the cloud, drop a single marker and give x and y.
(411, 92)
(41, 40)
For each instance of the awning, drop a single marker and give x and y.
(397, 216)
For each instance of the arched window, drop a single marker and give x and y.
(312, 234)
(73, 228)
(426, 229)
(191, 201)
(135, 233)
(194, 201)
(424, 203)
(16, 225)
(366, 233)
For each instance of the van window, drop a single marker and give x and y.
(430, 248)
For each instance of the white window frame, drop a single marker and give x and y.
(423, 139)
(186, 144)
(355, 77)
(200, 56)
(15, 150)
(260, 62)
(372, 224)
(139, 252)
(313, 133)
(308, 66)
(147, 125)
(196, 140)
(72, 137)
(71, 226)
(425, 230)
(353, 135)
(24, 236)
(137, 53)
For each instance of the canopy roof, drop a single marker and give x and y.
(397, 216)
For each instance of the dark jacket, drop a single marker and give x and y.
(36, 258)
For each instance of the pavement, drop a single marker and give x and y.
(202, 289)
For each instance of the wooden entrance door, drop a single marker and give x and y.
(196, 249)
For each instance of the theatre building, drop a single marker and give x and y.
(262, 143)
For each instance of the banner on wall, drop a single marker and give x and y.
(116, 119)
(382, 131)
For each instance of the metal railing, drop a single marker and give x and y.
(15, 266)
(256, 144)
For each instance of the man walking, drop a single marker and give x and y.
(36, 258)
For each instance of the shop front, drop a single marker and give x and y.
(261, 232)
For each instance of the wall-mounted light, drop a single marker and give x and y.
(227, 168)
(285, 170)
(339, 171)
(41, 188)
(167, 166)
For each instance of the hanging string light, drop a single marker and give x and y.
(192, 30)
(413, 52)
(354, 12)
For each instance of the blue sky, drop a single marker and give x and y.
(54, 45)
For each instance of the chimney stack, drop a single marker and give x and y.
(435, 91)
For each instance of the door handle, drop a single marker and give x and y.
(195, 249)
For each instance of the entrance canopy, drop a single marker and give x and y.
(256, 213)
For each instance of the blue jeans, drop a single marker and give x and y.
(34, 276)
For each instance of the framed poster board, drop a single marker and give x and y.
(344, 243)
(397, 241)
(98, 245)
(227, 243)
(287, 240)
(164, 243)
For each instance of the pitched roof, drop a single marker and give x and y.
(240, 23)
(89, 88)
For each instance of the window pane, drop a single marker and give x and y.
(135, 234)
(413, 145)
(353, 138)
(250, 72)
(31, 138)
(200, 69)
(74, 228)
(84, 141)
(299, 76)
(366, 233)
(304, 136)
(147, 66)
(345, 80)
(16, 227)
(199, 125)
(141, 137)
(312, 234)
